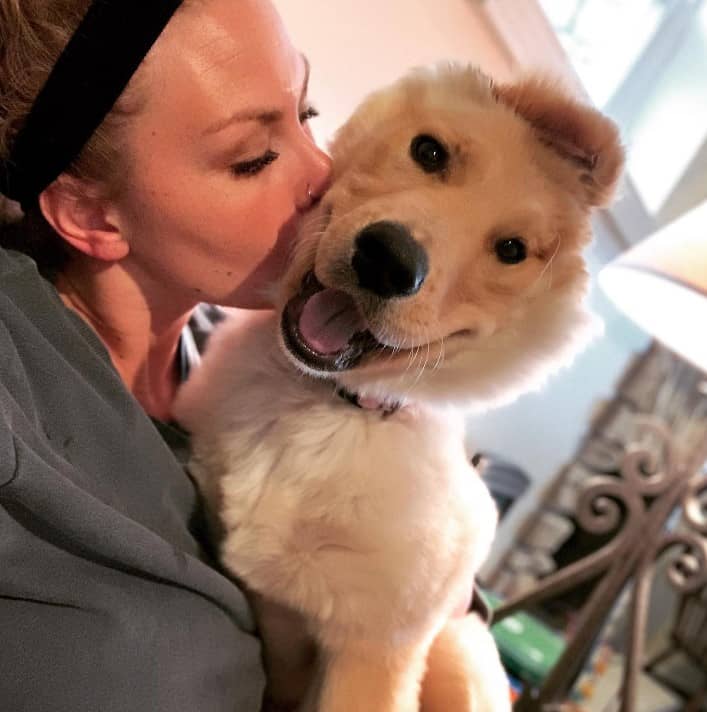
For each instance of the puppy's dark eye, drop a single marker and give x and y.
(511, 250)
(429, 153)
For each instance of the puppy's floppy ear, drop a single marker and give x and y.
(578, 133)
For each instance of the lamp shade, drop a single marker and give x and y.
(661, 284)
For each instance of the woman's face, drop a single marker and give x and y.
(222, 160)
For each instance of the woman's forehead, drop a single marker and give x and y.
(219, 56)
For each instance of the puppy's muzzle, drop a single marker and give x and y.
(326, 328)
(388, 261)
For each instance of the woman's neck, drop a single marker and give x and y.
(139, 326)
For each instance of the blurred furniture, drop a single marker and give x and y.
(505, 480)
(637, 490)
(688, 638)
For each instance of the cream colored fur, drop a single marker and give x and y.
(362, 532)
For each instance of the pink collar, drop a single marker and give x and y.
(368, 403)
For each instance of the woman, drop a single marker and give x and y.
(188, 190)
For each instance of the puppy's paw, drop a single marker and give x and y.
(464, 671)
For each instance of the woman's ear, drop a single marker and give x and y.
(88, 223)
(578, 133)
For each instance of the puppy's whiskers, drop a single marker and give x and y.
(421, 340)
(424, 364)
(410, 361)
(440, 355)
(547, 267)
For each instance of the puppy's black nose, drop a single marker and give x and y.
(388, 261)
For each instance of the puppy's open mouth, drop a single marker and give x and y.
(325, 329)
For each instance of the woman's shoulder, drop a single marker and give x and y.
(22, 286)
(13, 263)
(33, 315)
(25, 300)
(53, 367)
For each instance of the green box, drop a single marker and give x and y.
(529, 649)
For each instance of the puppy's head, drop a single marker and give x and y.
(445, 261)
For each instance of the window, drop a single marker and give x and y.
(643, 62)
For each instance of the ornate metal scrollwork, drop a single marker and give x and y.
(646, 472)
(635, 506)
(688, 570)
(650, 471)
(695, 505)
(605, 503)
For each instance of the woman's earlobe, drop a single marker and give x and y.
(85, 222)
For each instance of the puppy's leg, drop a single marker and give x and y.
(371, 678)
(464, 671)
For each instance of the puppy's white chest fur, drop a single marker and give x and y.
(364, 523)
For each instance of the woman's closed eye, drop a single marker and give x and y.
(254, 165)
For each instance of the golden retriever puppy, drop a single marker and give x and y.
(441, 273)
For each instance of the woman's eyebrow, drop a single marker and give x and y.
(265, 116)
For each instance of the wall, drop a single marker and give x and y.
(356, 46)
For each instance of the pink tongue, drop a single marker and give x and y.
(329, 319)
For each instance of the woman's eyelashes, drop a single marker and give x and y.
(308, 113)
(255, 165)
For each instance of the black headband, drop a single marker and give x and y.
(87, 79)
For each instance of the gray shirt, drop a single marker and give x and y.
(108, 599)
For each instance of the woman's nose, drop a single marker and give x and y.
(317, 176)
(323, 172)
